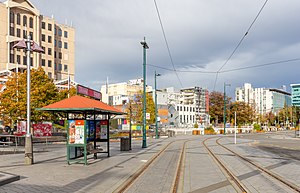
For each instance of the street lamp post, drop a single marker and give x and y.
(155, 95)
(145, 47)
(224, 118)
(28, 45)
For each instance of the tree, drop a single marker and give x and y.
(14, 97)
(245, 114)
(137, 109)
(216, 106)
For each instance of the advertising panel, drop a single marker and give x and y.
(42, 129)
(103, 129)
(76, 132)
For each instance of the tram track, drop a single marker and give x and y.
(234, 179)
(139, 173)
(262, 169)
(236, 183)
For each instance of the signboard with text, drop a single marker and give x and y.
(89, 92)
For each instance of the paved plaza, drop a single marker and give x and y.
(51, 173)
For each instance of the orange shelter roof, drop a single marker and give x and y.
(81, 104)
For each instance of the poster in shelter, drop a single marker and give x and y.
(76, 132)
(103, 129)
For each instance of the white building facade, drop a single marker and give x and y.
(263, 100)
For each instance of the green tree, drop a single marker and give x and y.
(216, 106)
(14, 97)
(137, 109)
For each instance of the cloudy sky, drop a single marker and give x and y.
(201, 35)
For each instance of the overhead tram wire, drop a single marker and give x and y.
(261, 65)
(168, 48)
(230, 70)
(240, 42)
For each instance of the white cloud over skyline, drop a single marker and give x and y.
(201, 36)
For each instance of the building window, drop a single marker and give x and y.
(59, 44)
(12, 58)
(66, 68)
(55, 43)
(18, 59)
(49, 63)
(31, 61)
(49, 26)
(66, 45)
(50, 75)
(60, 55)
(59, 67)
(12, 17)
(12, 31)
(24, 20)
(43, 25)
(31, 35)
(31, 22)
(59, 32)
(55, 66)
(49, 51)
(43, 62)
(177, 108)
(55, 31)
(24, 60)
(65, 34)
(18, 19)
(24, 34)
(55, 54)
(49, 39)
(43, 37)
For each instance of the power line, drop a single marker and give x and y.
(261, 65)
(230, 70)
(168, 48)
(240, 42)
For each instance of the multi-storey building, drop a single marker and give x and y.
(263, 100)
(192, 105)
(295, 94)
(117, 94)
(20, 18)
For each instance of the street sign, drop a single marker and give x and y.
(147, 116)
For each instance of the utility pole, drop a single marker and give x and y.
(155, 95)
(130, 119)
(145, 47)
(224, 118)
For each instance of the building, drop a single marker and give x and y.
(119, 93)
(263, 100)
(192, 106)
(295, 94)
(19, 18)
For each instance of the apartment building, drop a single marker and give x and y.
(193, 106)
(20, 18)
(263, 100)
(118, 93)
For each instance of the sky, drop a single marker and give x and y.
(201, 36)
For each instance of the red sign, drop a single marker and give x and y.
(89, 92)
(42, 129)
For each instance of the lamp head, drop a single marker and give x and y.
(145, 45)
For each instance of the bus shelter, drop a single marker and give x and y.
(88, 123)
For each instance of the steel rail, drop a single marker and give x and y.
(179, 168)
(232, 178)
(275, 176)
